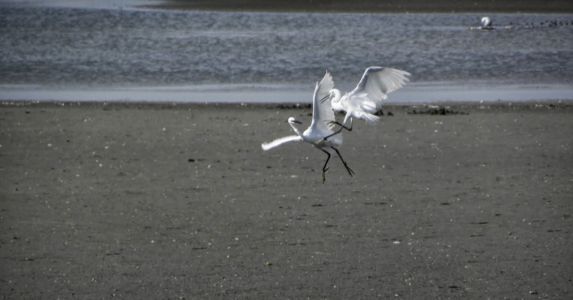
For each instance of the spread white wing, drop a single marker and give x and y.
(280, 141)
(322, 112)
(376, 83)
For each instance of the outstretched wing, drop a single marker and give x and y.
(321, 110)
(377, 82)
(280, 141)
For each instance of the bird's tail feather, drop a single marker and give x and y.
(369, 106)
(369, 118)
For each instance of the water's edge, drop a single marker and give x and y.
(429, 92)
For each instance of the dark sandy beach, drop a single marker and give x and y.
(171, 202)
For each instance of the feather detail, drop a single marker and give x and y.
(280, 141)
(369, 118)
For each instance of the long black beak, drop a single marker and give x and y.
(297, 121)
(324, 98)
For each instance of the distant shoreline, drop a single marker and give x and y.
(414, 93)
(392, 6)
(401, 107)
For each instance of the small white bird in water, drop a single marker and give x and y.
(486, 23)
(366, 99)
(320, 127)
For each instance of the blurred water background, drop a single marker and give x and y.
(116, 51)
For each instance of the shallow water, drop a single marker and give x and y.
(67, 48)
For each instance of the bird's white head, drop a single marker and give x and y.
(335, 97)
(292, 120)
(335, 94)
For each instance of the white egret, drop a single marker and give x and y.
(486, 23)
(320, 127)
(366, 99)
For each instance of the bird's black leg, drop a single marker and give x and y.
(342, 125)
(334, 133)
(324, 168)
(339, 129)
(348, 169)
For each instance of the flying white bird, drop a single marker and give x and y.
(366, 99)
(320, 127)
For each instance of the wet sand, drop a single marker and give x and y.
(166, 202)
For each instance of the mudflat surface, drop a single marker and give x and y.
(149, 201)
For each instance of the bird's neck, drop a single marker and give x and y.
(295, 129)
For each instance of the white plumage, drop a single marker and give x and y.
(367, 98)
(320, 127)
(486, 22)
(280, 141)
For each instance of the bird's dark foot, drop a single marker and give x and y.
(350, 171)
(324, 175)
(340, 124)
(328, 136)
